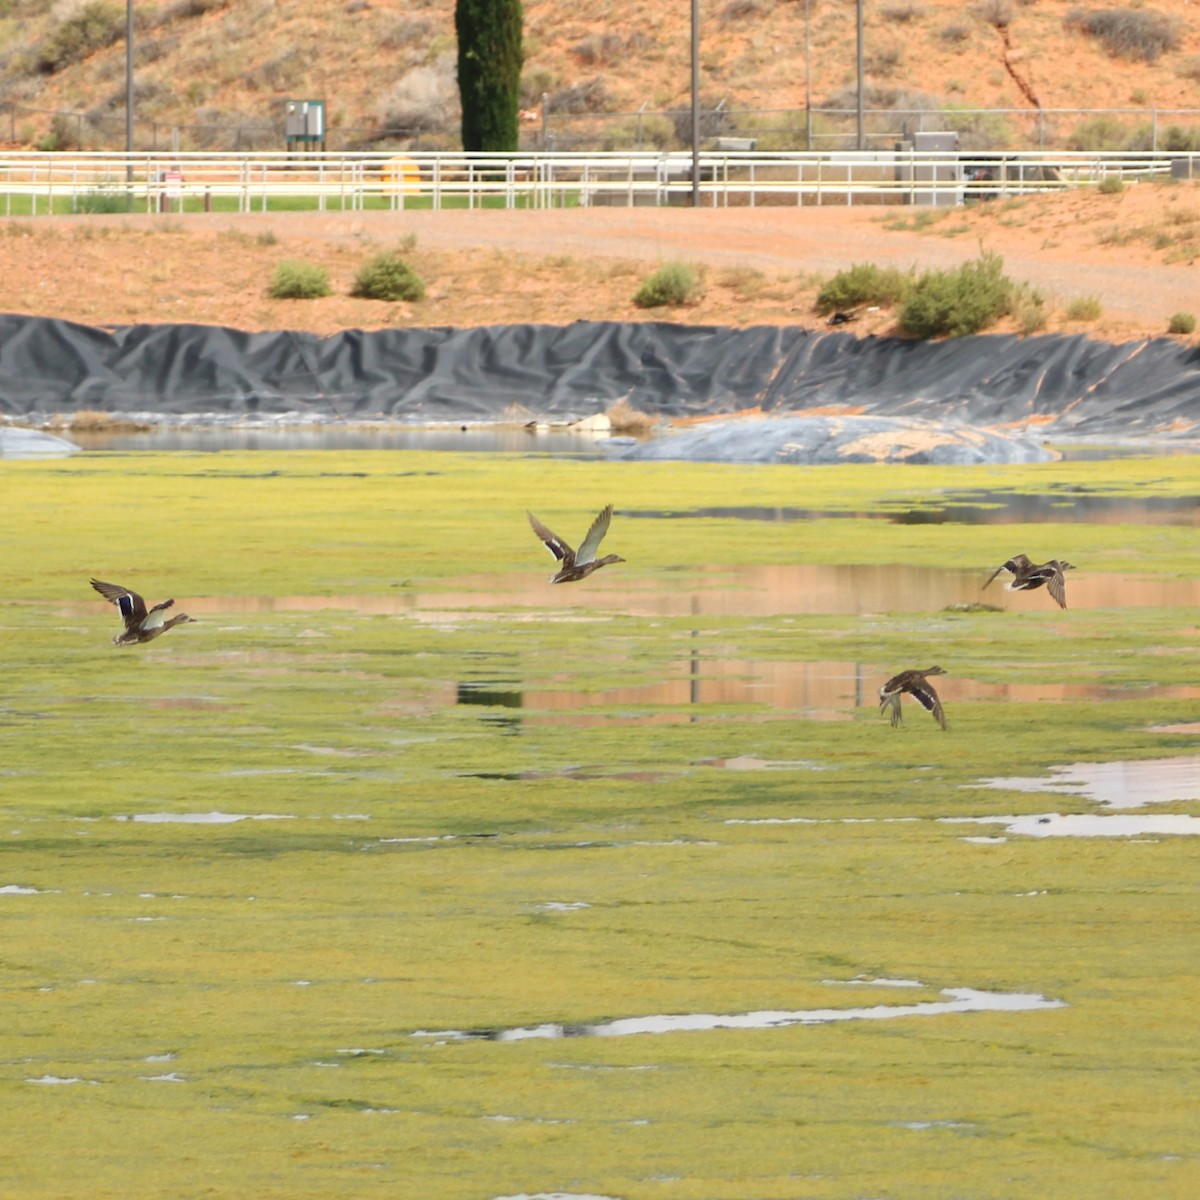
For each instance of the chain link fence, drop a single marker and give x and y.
(988, 129)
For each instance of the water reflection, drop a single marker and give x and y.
(1066, 504)
(724, 591)
(1086, 825)
(1117, 784)
(493, 694)
(826, 690)
(487, 439)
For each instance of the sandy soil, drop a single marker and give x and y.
(1135, 252)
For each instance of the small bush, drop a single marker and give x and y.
(1181, 322)
(1084, 308)
(93, 27)
(673, 283)
(387, 277)
(1098, 133)
(997, 13)
(624, 418)
(884, 62)
(1127, 32)
(599, 48)
(1181, 138)
(423, 100)
(294, 280)
(863, 283)
(1110, 184)
(110, 199)
(63, 134)
(1027, 308)
(958, 302)
(956, 31)
(183, 9)
(745, 10)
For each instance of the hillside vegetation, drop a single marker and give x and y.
(219, 71)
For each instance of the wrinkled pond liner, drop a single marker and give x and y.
(1065, 383)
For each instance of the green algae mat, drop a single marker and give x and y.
(403, 873)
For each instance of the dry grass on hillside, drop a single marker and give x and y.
(379, 62)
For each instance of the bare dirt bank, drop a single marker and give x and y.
(1134, 252)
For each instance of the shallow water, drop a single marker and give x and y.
(1067, 506)
(562, 443)
(1086, 825)
(1117, 784)
(719, 591)
(827, 690)
(960, 1000)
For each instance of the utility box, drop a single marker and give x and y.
(930, 168)
(305, 123)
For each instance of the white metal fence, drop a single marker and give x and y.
(35, 183)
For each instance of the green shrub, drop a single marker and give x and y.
(295, 280)
(1179, 137)
(1084, 308)
(1181, 322)
(673, 283)
(1027, 308)
(387, 277)
(958, 302)
(1098, 133)
(63, 134)
(96, 25)
(110, 199)
(1111, 183)
(863, 283)
(1127, 32)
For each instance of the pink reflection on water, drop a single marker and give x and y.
(727, 591)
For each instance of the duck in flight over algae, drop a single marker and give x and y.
(141, 625)
(574, 565)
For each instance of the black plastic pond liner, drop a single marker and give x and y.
(1072, 384)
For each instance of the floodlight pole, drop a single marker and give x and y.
(861, 144)
(695, 103)
(129, 90)
(807, 82)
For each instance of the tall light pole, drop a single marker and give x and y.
(807, 82)
(129, 89)
(695, 103)
(861, 144)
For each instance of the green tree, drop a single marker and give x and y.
(489, 72)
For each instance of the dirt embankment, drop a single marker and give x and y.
(1134, 253)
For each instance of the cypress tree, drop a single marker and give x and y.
(489, 72)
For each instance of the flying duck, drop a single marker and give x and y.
(917, 685)
(1026, 576)
(140, 625)
(577, 564)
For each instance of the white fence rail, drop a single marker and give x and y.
(34, 183)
